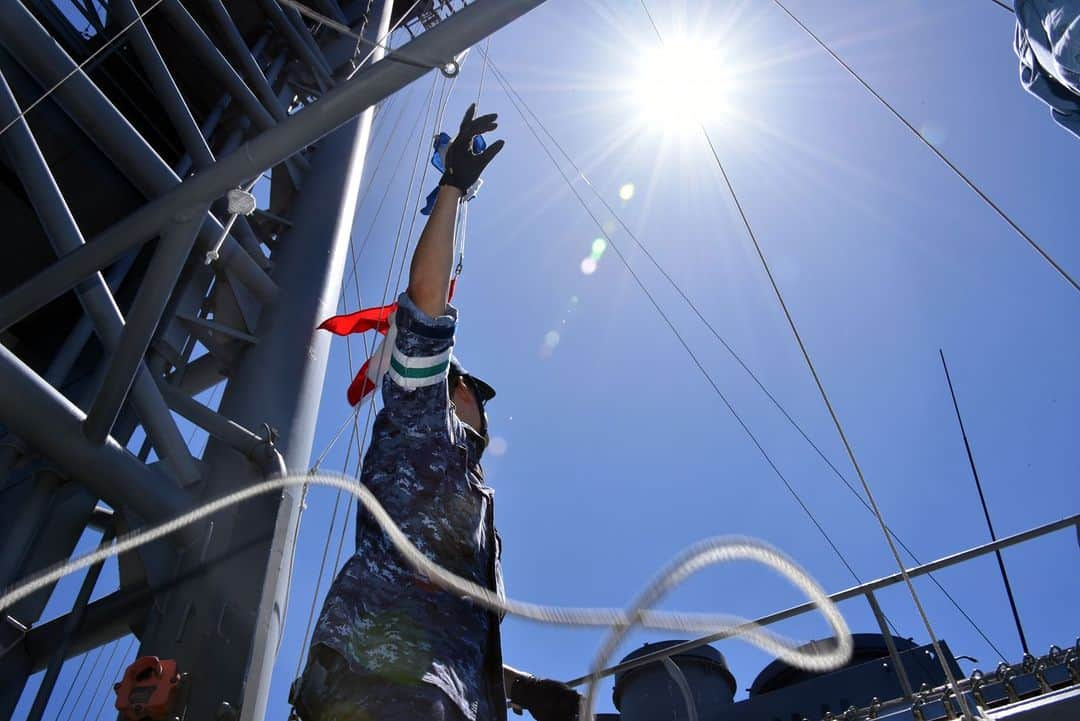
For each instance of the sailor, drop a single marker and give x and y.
(1048, 44)
(391, 645)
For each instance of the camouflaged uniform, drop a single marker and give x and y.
(387, 621)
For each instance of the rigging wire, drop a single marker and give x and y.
(97, 686)
(386, 193)
(378, 44)
(355, 438)
(1003, 6)
(941, 156)
(79, 67)
(507, 85)
(679, 337)
(464, 216)
(71, 684)
(961, 700)
(367, 425)
(98, 652)
(105, 698)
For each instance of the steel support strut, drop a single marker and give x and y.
(62, 231)
(71, 626)
(371, 84)
(38, 413)
(208, 53)
(246, 59)
(32, 46)
(157, 285)
(168, 94)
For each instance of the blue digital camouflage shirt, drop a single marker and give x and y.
(385, 619)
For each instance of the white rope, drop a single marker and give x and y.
(695, 558)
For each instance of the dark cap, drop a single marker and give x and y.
(483, 390)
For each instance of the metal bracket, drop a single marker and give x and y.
(12, 632)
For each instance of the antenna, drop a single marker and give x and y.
(986, 511)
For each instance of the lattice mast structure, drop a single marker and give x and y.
(127, 124)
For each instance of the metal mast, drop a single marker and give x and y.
(127, 124)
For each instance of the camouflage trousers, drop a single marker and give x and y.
(330, 691)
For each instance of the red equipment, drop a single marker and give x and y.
(150, 691)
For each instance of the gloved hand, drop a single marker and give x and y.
(463, 167)
(545, 699)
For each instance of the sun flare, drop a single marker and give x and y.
(681, 84)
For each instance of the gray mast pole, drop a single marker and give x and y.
(270, 623)
(206, 625)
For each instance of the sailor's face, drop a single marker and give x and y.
(466, 403)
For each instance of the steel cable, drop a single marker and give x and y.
(508, 87)
(961, 700)
(941, 156)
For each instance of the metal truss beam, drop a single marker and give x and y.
(224, 429)
(311, 57)
(62, 231)
(371, 84)
(165, 89)
(72, 623)
(126, 358)
(208, 53)
(44, 59)
(246, 59)
(32, 409)
(107, 619)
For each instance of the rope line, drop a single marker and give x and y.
(941, 156)
(507, 85)
(640, 613)
(962, 702)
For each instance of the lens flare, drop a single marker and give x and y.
(598, 247)
(497, 446)
(626, 192)
(588, 266)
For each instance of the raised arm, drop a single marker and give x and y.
(429, 274)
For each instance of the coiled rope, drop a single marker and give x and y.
(705, 553)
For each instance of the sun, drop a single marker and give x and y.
(681, 84)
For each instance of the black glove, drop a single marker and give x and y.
(545, 699)
(463, 167)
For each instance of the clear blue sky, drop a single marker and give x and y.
(616, 453)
